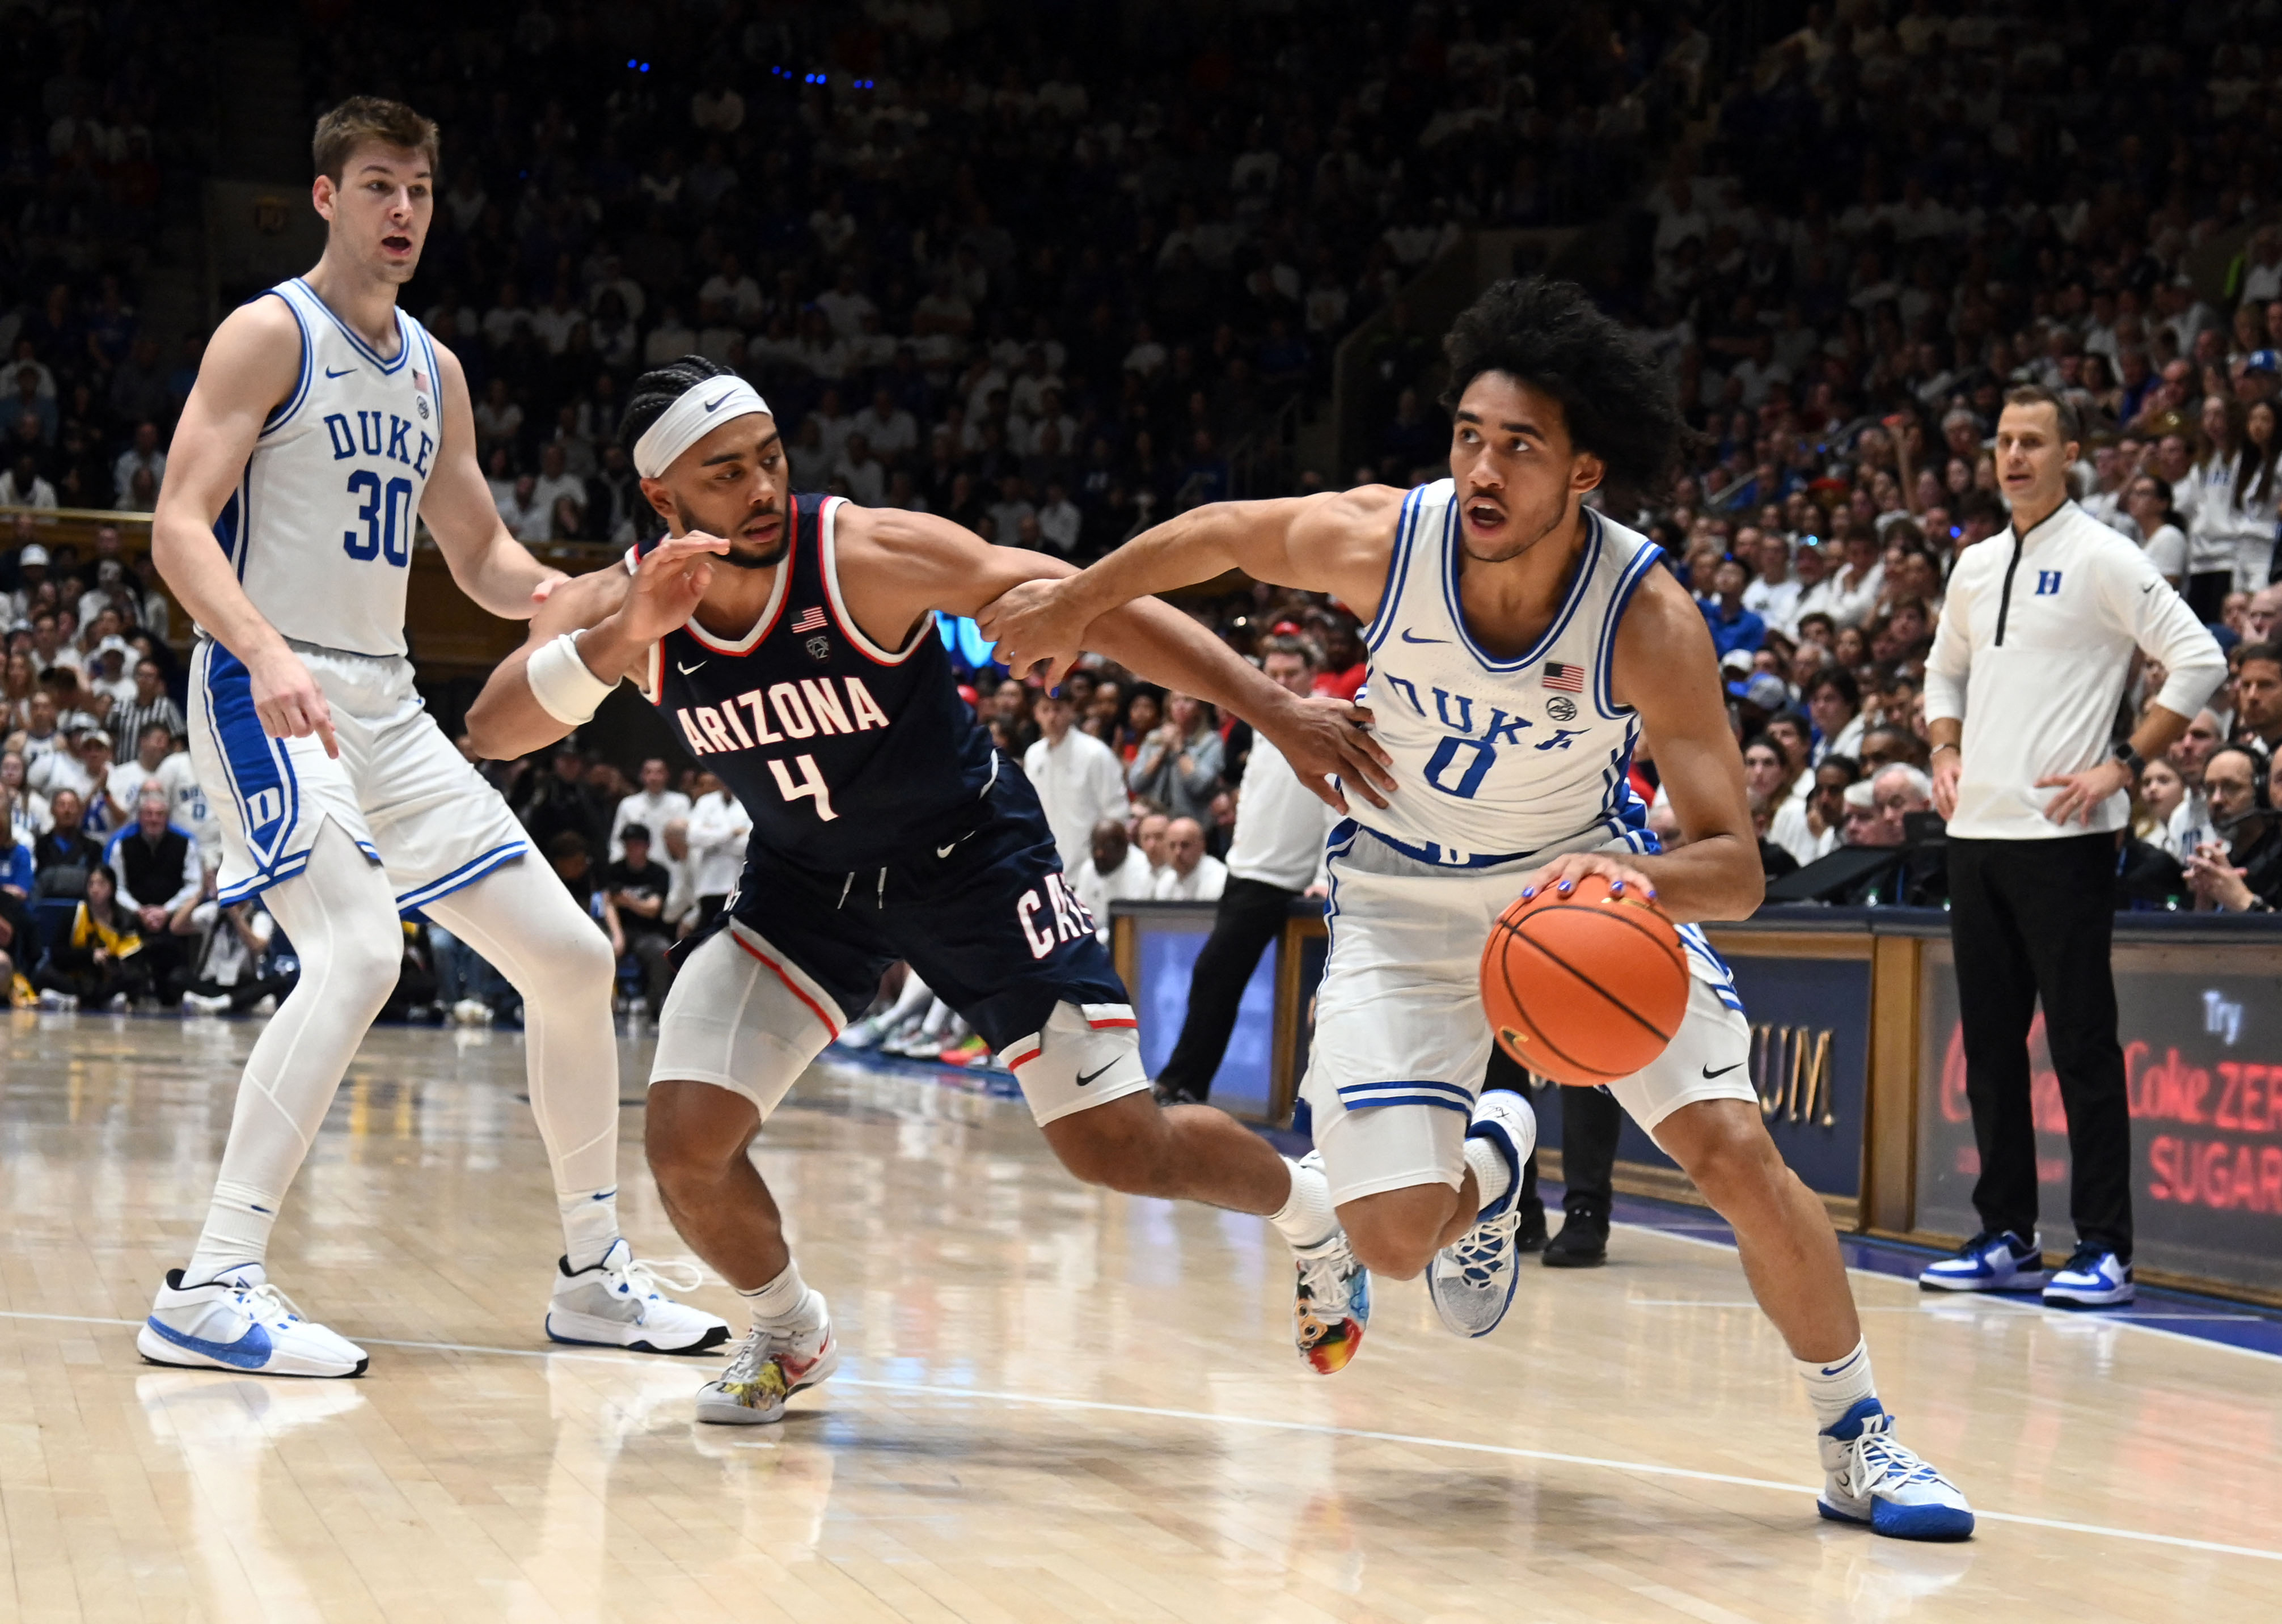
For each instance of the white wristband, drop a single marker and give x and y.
(560, 681)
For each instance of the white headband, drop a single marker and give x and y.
(691, 418)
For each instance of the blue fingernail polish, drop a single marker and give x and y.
(1564, 887)
(1617, 889)
(1528, 891)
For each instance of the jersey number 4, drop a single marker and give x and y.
(812, 783)
(384, 537)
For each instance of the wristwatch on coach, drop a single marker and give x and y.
(2131, 758)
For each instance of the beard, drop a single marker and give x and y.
(743, 555)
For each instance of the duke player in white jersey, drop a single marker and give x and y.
(1520, 645)
(323, 422)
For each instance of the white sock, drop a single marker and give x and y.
(1493, 1171)
(238, 1222)
(1306, 1218)
(781, 1299)
(1836, 1387)
(590, 1225)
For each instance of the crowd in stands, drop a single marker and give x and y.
(1056, 299)
(104, 115)
(1050, 293)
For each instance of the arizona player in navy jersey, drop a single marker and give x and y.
(790, 639)
(1520, 645)
(324, 420)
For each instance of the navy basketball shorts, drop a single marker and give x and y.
(985, 919)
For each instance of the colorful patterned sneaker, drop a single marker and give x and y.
(617, 1303)
(240, 1322)
(772, 1364)
(1868, 1477)
(1333, 1302)
(1471, 1279)
(1991, 1261)
(2094, 1278)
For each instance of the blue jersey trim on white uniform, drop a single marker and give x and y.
(284, 414)
(466, 874)
(1552, 633)
(403, 338)
(1603, 696)
(1398, 569)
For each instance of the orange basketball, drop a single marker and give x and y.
(1586, 988)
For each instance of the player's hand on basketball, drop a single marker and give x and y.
(1035, 625)
(288, 700)
(1561, 874)
(668, 583)
(1325, 738)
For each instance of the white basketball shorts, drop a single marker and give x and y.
(399, 789)
(744, 1015)
(1401, 1041)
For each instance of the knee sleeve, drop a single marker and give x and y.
(740, 1016)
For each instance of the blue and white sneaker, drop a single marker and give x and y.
(1870, 1478)
(617, 1303)
(2094, 1278)
(1990, 1262)
(1471, 1279)
(241, 1322)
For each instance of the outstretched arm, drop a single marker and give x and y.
(491, 566)
(1338, 542)
(616, 618)
(1666, 669)
(936, 564)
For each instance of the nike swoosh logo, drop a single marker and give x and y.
(2151, 587)
(686, 670)
(1084, 1077)
(1709, 1074)
(1408, 639)
(710, 405)
(943, 851)
(250, 1352)
(344, 372)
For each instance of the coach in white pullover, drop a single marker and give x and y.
(1276, 860)
(2020, 691)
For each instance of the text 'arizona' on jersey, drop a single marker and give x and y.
(848, 756)
(321, 525)
(1499, 757)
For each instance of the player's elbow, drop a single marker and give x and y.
(492, 731)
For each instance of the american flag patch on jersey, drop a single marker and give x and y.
(1568, 679)
(811, 620)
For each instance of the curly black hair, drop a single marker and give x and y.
(659, 387)
(1620, 405)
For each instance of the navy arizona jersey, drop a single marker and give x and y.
(846, 755)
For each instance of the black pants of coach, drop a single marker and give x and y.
(1252, 915)
(2031, 920)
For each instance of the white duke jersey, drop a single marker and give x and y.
(319, 528)
(1499, 758)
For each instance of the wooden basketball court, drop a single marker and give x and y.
(1056, 1404)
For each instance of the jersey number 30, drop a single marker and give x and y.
(383, 536)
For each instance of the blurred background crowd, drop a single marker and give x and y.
(1057, 272)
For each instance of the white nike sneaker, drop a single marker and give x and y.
(771, 1364)
(617, 1303)
(241, 1322)
(1868, 1477)
(1471, 1281)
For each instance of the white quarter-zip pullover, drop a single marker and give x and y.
(2036, 640)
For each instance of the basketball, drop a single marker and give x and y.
(1584, 988)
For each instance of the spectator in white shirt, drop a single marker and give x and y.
(1834, 699)
(866, 475)
(653, 805)
(143, 456)
(719, 828)
(890, 430)
(1189, 875)
(1773, 593)
(1275, 863)
(1114, 871)
(553, 488)
(1078, 777)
